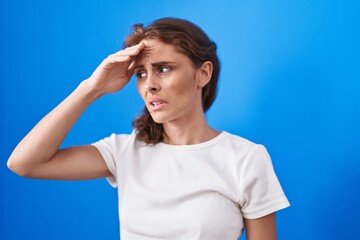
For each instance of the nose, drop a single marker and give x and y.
(152, 90)
(152, 83)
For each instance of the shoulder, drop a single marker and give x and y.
(239, 142)
(238, 139)
(244, 149)
(116, 141)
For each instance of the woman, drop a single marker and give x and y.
(177, 177)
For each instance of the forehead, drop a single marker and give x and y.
(156, 51)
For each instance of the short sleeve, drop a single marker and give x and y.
(107, 149)
(261, 192)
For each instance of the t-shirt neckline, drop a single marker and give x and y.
(193, 146)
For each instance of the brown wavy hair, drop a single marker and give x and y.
(189, 40)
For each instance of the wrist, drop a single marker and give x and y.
(89, 91)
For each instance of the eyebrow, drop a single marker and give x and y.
(156, 64)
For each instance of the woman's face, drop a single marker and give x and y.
(167, 82)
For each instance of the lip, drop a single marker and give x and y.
(155, 103)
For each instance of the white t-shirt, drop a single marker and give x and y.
(190, 192)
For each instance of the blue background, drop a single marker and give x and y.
(290, 80)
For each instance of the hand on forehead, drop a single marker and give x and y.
(155, 51)
(150, 45)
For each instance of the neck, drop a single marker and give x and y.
(188, 132)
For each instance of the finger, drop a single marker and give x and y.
(128, 52)
(131, 68)
(118, 58)
(133, 50)
(140, 46)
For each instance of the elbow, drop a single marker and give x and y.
(17, 167)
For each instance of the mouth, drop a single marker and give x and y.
(156, 104)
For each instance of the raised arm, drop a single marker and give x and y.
(263, 228)
(38, 154)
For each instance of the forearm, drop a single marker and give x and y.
(44, 140)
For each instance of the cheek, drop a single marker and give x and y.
(186, 85)
(140, 88)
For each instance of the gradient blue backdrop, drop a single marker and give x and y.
(290, 80)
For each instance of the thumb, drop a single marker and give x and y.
(130, 70)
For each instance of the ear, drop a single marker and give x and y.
(204, 74)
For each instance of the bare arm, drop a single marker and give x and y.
(38, 154)
(263, 228)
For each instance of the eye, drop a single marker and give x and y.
(140, 74)
(164, 69)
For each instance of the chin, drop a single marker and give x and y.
(158, 119)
